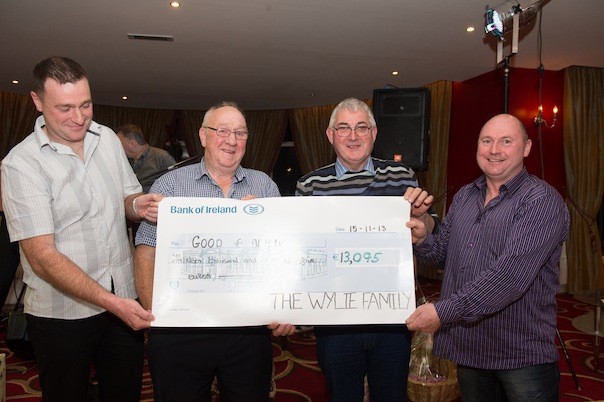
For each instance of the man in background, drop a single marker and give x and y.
(146, 161)
(500, 244)
(66, 191)
(347, 354)
(184, 361)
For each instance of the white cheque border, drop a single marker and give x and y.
(302, 260)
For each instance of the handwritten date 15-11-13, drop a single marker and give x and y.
(367, 228)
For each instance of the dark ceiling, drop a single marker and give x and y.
(275, 54)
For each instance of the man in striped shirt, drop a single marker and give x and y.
(500, 244)
(347, 354)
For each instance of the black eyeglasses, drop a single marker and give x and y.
(344, 131)
(225, 133)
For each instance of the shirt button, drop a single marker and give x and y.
(470, 245)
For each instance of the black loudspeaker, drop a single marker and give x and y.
(402, 116)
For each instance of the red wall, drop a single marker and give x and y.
(478, 99)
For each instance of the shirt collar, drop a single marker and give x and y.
(43, 139)
(145, 152)
(341, 169)
(203, 171)
(510, 186)
(515, 182)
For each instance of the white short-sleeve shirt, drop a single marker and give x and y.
(48, 189)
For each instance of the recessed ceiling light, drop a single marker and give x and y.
(470, 29)
(395, 72)
(124, 98)
(15, 81)
(174, 4)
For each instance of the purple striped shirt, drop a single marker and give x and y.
(498, 297)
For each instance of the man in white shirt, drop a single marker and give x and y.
(67, 190)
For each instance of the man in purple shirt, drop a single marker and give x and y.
(500, 244)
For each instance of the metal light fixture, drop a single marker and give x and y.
(509, 16)
(540, 121)
(499, 20)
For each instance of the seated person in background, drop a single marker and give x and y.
(146, 161)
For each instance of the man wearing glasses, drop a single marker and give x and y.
(347, 354)
(184, 361)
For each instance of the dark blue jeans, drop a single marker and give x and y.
(538, 383)
(381, 353)
(66, 349)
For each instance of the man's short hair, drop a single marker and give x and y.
(206, 116)
(132, 132)
(61, 69)
(354, 105)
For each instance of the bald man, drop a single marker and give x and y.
(500, 245)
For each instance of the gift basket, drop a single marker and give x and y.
(431, 378)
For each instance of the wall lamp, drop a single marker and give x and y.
(540, 121)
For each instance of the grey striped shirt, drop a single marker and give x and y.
(48, 189)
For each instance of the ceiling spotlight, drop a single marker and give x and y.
(470, 29)
(395, 72)
(499, 19)
(124, 98)
(174, 4)
(15, 81)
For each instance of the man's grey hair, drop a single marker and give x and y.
(208, 114)
(353, 105)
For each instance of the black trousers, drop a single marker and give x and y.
(183, 363)
(66, 349)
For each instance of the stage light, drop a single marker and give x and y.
(509, 16)
(500, 19)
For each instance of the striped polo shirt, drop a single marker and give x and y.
(379, 177)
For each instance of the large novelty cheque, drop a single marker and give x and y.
(300, 260)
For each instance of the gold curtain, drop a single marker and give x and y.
(308, 126)
(267, 128)
(434, 180)
(190, 123)
(583, 134)
(17, 118)
(154, 123)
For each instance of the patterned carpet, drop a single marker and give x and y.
(298, 377)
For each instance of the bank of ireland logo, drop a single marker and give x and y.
(253, 209)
